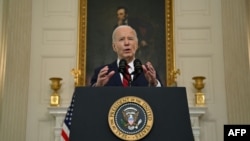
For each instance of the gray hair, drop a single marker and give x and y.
(122, 26)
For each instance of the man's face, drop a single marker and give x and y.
(121, 15)
(125, 43)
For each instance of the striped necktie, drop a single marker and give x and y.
(126, 77)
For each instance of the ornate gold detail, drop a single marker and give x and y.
(55, 85)
(82, 26)
(170, 53)
(130, 118)
(199, 85)
(76, 73)
(173, 77)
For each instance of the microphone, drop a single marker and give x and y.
(123, 70)
(122, 66)
(137, 66)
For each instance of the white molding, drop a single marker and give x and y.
(59, 114)
(195, 115)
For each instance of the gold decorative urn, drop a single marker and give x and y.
(199, 95)
(55, 86)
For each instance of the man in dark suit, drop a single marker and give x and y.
(125, 44)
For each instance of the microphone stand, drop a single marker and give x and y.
(128, 78)
(130, 81)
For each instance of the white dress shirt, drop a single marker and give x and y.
(131, 70)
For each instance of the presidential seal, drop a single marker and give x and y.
(130, 118)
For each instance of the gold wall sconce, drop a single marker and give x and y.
(55, 86)
(199, 95)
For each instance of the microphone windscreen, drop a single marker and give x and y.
(138, 66)
(122, 66)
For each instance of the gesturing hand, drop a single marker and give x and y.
(150, 73)
(104, 76)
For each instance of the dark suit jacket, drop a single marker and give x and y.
(115, 80)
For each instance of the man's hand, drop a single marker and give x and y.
(150, 74)
(103, 77)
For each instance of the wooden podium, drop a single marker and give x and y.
(169, 106)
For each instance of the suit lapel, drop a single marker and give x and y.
(116, 79)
